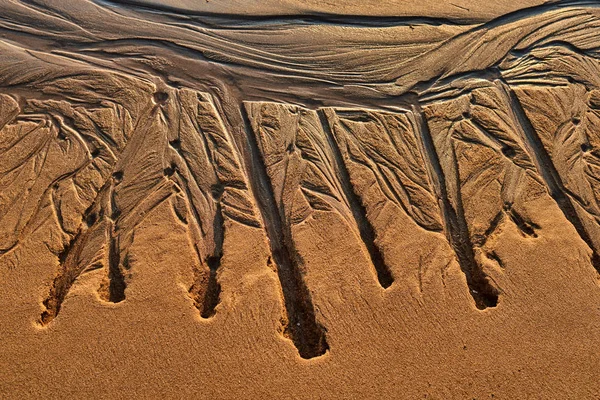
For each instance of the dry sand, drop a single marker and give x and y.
(299, 199)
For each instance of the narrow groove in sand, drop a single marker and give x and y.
(301, 326)
(457, 232)
(116, 278)
(366, 230)
(548, 171)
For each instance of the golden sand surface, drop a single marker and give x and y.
(299, 199)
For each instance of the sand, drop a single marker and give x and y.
(311, 200)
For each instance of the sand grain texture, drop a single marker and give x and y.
(299, 199)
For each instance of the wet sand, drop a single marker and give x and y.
(299, 200)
